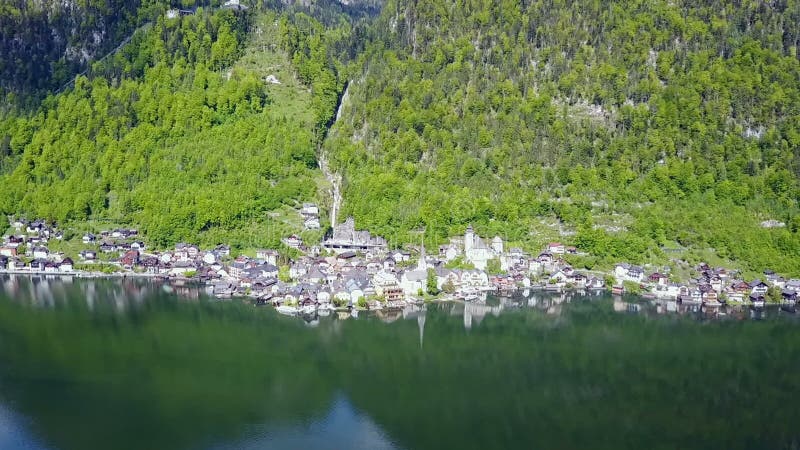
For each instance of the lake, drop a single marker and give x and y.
(137, 364)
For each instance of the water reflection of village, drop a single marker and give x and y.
(123, 295)
(554, 304)
(120, 295)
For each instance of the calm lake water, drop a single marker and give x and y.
(110, 364)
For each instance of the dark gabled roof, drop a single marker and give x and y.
(149, 262)
(705, 288)
(314, 273)
(268, 268)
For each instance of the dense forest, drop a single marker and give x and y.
(627, 127)
(169, 134)
(636, 124)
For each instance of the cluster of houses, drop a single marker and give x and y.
(28, 234)
(712, 287)
(360, 268)
(30, 241)
(27, 248)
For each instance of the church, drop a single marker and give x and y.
(478, 252)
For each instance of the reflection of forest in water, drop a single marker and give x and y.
(99, 363)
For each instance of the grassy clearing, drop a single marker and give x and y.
(289, 98)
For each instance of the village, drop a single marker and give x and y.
(353, 270)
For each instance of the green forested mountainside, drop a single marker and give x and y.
(627, 126)
(43, 44)
(178, 133)
(675, 121)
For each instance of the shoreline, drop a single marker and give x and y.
(630, 302)
(439, 299)
(84, 274)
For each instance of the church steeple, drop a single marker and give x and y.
(469, 240)
(422, 264)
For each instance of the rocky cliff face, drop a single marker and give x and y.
(43, 43)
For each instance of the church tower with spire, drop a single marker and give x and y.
(422, 264)
(469, 240)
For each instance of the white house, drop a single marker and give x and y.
(413, 281)
(342, 296)
(556, 248)
(293, 241)
(384, 278)
(399, 256)
(627, 272)
(560, 277)
(452, 250)
(668, 291)
(65, 265)
(474, 278)
(323, 297)
(270, 256)
(759, 288)
(356, 295)
(209, 258)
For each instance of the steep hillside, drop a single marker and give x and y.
(635, 124)
(622, 127)
(193, 131)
